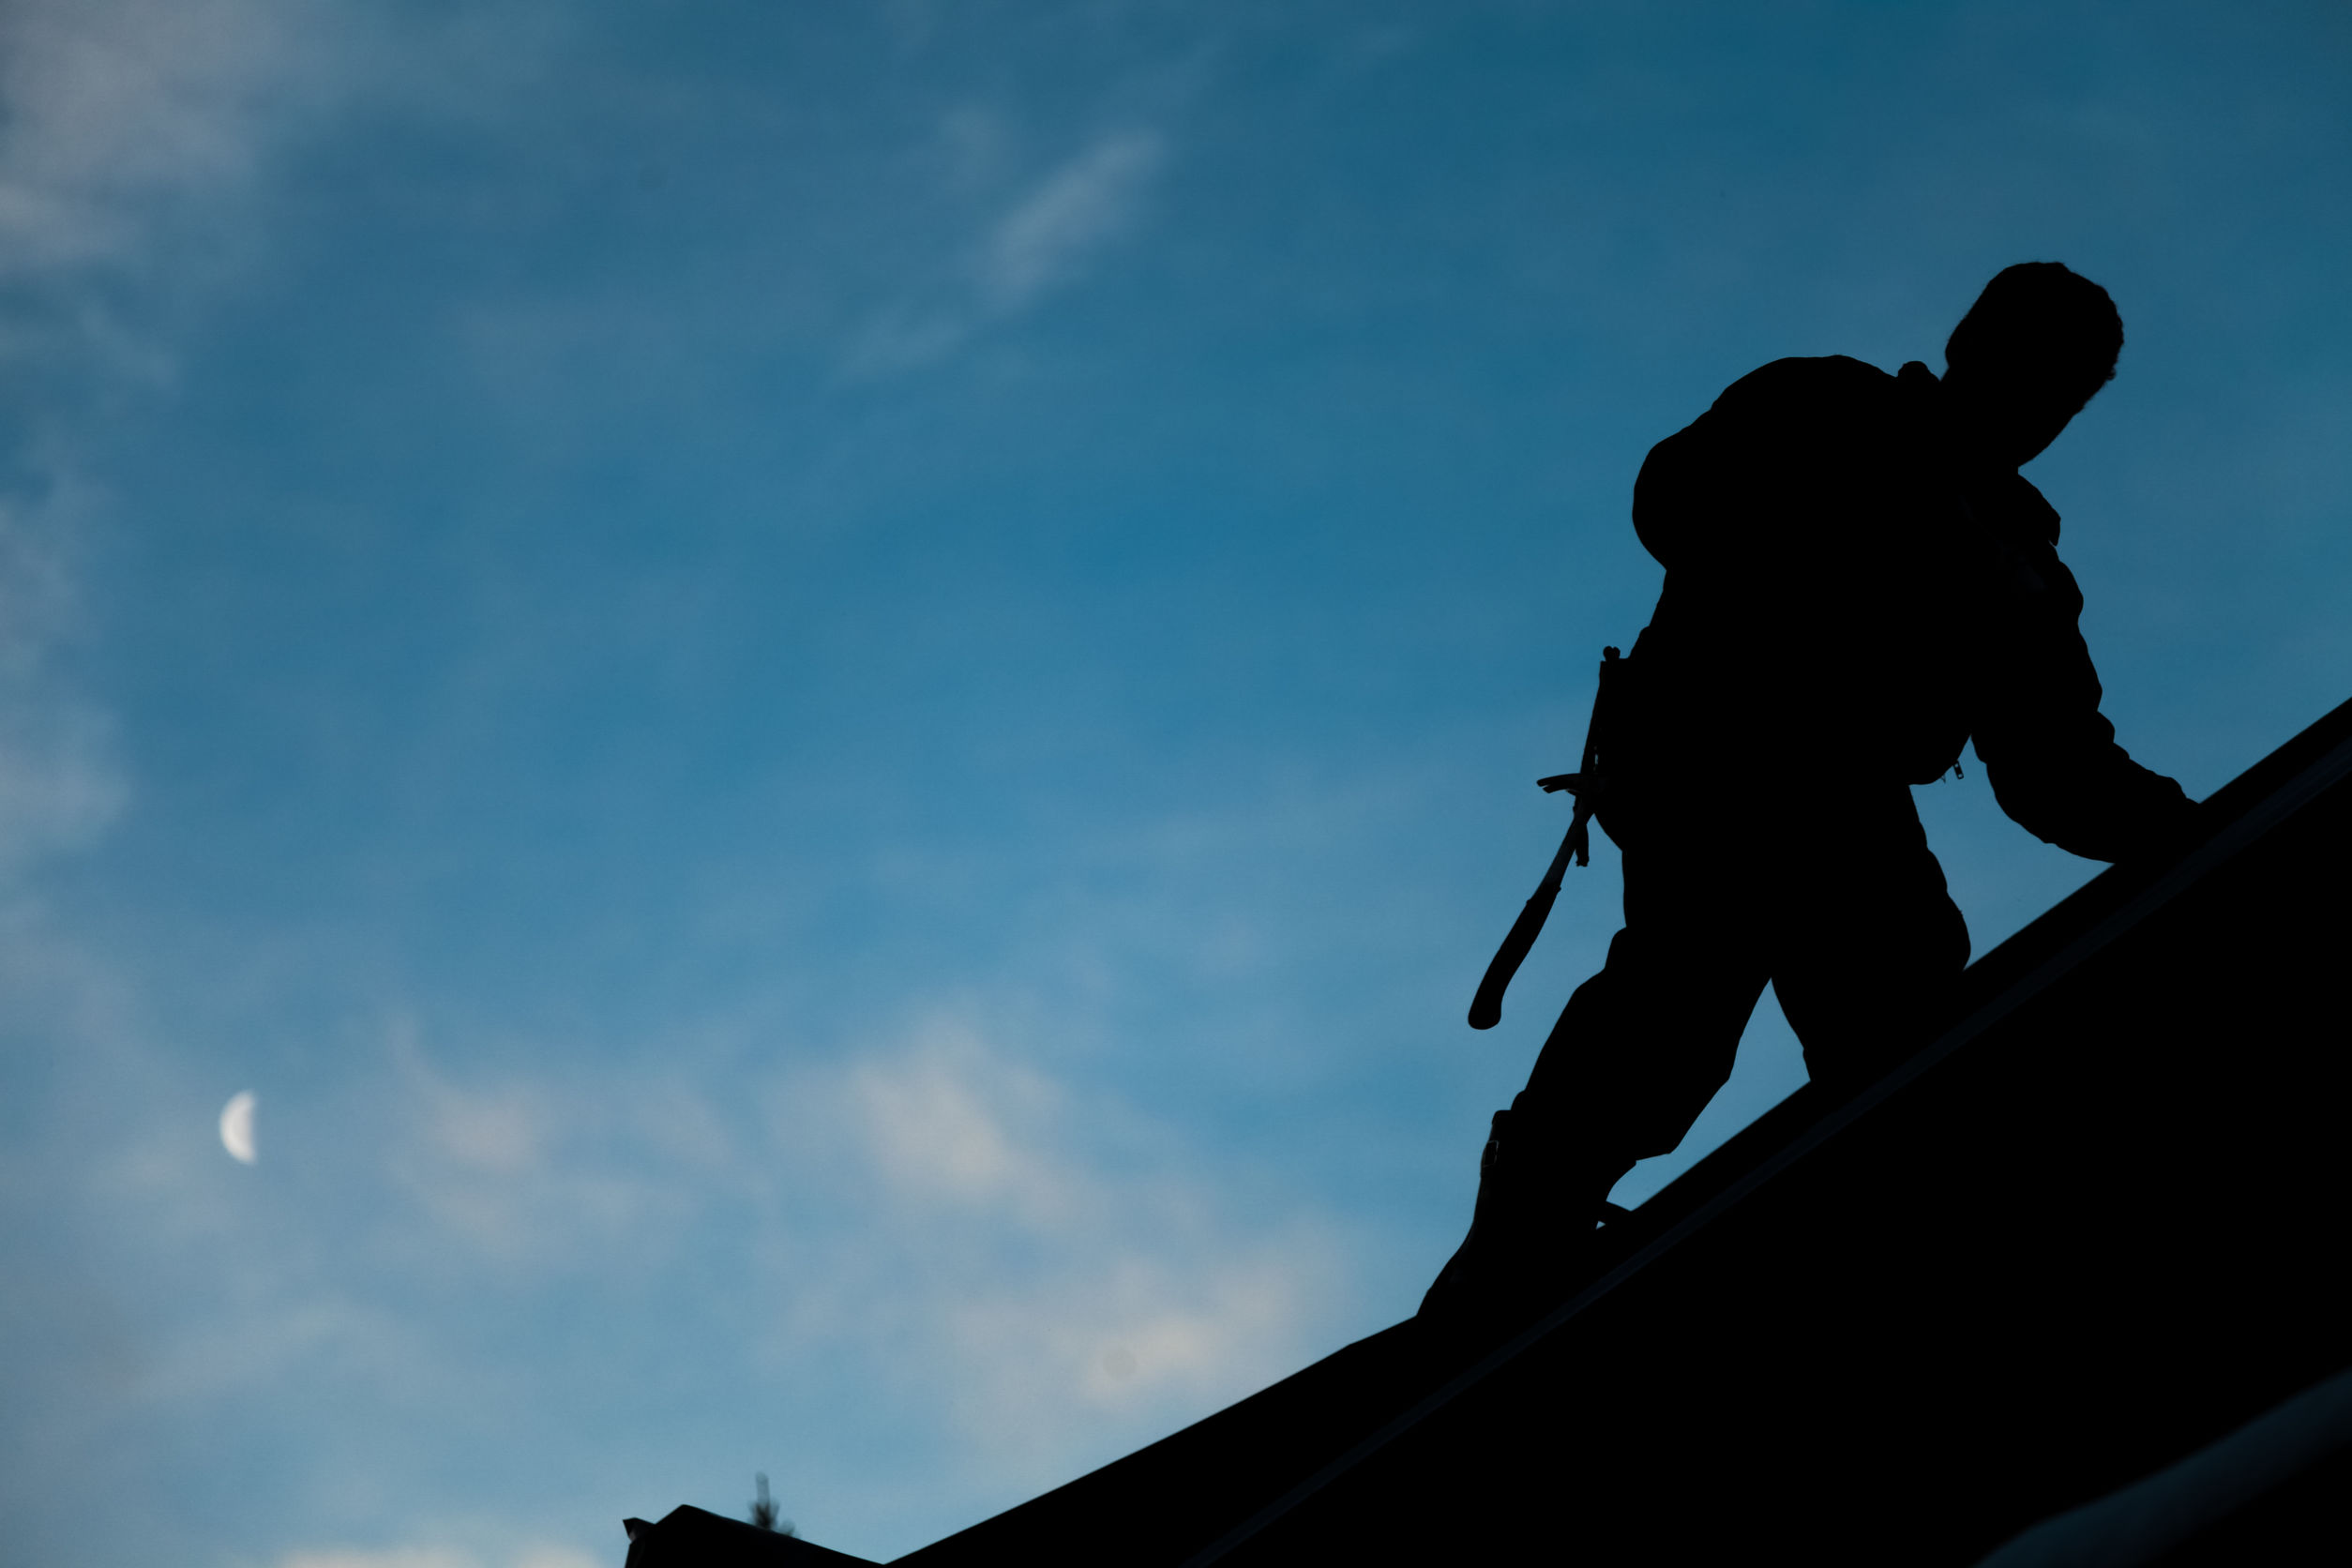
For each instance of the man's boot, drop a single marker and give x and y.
(1531, 1233)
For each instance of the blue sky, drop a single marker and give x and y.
(834, 704)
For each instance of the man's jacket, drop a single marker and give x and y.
(1849, 600)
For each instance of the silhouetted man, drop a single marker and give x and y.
(1857, 582)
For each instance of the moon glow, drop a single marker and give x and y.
(236, 1127)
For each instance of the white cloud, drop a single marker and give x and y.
(118, 119)
(1033, 1273)
(948, 1210)
(1052, 232)
(115, 107)
(949, 1123)
(525, 1174)
(1044, 239)
(1034, 1257)
(59, 783)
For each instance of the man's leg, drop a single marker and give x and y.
(1638, 1052)
(1874, 945)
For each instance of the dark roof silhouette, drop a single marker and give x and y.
(2092, 1231)
(698, 1537)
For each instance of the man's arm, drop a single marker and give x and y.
(2051, 755)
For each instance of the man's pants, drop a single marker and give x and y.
(1839, 904)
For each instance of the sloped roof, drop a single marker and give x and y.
(2095, 1225)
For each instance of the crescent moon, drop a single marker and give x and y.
(236, 1127)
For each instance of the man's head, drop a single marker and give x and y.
(2033, 349)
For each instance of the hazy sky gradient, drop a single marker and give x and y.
(835, 704)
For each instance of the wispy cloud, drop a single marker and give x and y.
(1039, 1267)
(1053, 231)
(120, 121)
(951, 1124)
(1031, 1260)
(60, 784)
(120, 112)
(1045, 239)
(1045, 1261)
(528, 1176)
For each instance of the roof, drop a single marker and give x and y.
(2093, 1228)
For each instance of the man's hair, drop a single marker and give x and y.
(2039, 313)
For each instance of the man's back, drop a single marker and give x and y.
(1851, 593)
